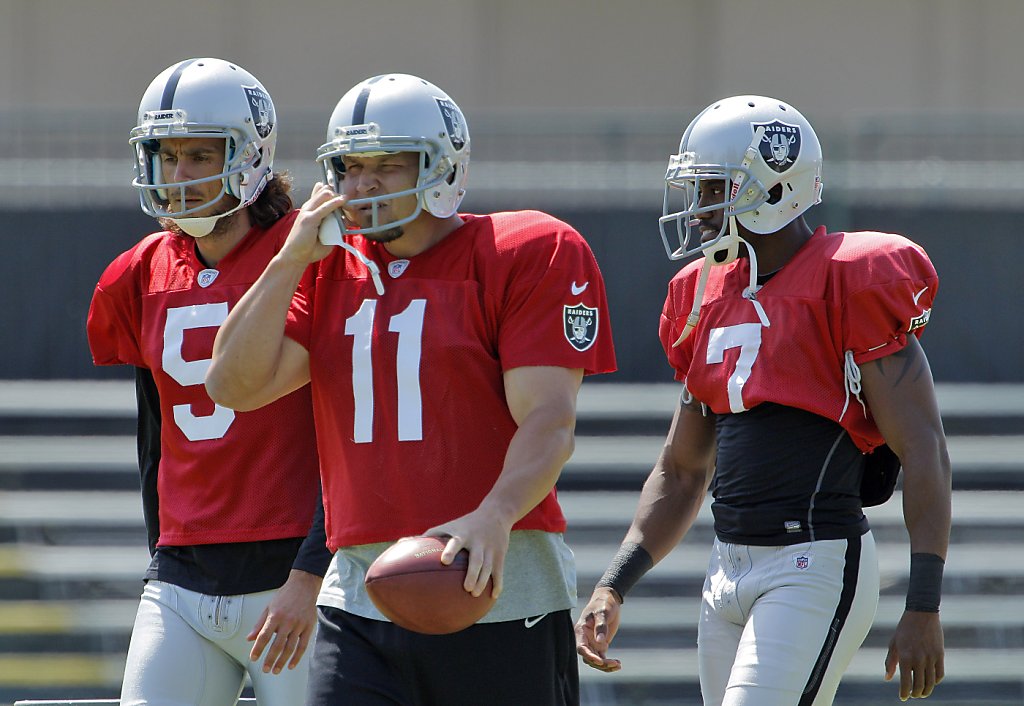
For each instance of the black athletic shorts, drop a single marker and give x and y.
(363, 662)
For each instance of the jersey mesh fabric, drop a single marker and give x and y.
(841, 292)
(400, 457)
(223, 476)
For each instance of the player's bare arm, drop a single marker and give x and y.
(669, 502)
(254, 363)
(901, 395)
(542, 400)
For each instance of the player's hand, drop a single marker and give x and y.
(303, 246)
(917, 648)
(486, 539)
(596, 628)
(289, 621)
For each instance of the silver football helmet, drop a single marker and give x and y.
(401, 113)
(770, 160)
(204, 98)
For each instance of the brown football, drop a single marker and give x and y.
(413, 589)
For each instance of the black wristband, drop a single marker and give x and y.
(630, 563)
(925, 588)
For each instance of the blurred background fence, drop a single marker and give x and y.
(955, 185)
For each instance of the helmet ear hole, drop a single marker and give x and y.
(775, 193)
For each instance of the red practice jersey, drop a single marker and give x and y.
(861, 293)
(408, 394)
(224, 476)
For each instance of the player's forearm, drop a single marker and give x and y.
(539, 449)
(248, 347)
(927, 495)
(674, 491)
(669, 503)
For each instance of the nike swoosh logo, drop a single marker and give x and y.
(530, 622)
(918, 295)
(578, 290)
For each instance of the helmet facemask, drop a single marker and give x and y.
(743, 192)
(394, 113)
(436, 173)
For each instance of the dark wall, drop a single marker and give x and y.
(976, 333)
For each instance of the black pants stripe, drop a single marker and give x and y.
(850, 576)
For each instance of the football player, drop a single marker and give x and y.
(799, 356)
(228, 496)
(445, 351)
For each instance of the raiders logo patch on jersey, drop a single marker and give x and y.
(919, 321)
(580, 326)
(780, 145)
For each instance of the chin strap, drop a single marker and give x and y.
(698, 297)
(730, 248)
(749, 293)
(332, 232)
(378, 284)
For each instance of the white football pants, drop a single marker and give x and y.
(189, 649)
(779, 625)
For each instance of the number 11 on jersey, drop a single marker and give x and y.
(409, 327)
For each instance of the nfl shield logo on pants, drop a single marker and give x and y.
(580, 326)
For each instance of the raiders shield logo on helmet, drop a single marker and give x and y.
(262, 109)
(580, 326)
(780, 145)
(454, 122)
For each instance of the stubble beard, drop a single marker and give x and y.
(386, 236)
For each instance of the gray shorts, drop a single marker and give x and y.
(191, 648)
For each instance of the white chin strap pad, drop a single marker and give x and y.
(198, 227)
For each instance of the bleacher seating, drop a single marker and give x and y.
(72, 547)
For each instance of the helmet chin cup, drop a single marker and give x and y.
(726, 247)
(198, 227)
(726, 250)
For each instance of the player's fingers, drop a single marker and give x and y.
(587, 645)
(262, 640)
(940, 669)
(300, 649)
(919, 672)
(906, 680)
(280, 652)
(610, 665)
(890, 664)
(258, 626)
(454, 545)
(929, 681)
(597, 660)
(478, 573)
(316, 196)
(498, 575)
